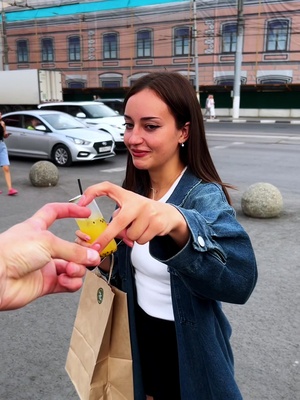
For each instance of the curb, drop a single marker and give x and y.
(262, 121)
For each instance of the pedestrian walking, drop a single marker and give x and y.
(4, 160)
(206, 106)
(183, 250)
(210, 107)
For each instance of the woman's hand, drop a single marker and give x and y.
(137, 219)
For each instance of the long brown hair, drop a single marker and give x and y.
(179, 95)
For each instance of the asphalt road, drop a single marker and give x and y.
(35, 339)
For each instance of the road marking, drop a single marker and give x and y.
(219, 147)
(119, 169)
(228, 145)
(267, 121)
(250, 136)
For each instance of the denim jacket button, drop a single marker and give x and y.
(201, 241)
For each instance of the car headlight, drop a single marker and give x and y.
(79, 141)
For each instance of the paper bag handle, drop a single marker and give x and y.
(97, 272)
(111, 268)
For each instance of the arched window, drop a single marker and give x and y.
(110, 46)
(74, 48)
(110, 80)
(277, 35)
(182, 41)
(144, 44)
(47, 50)
(229, 35)
(75, 85)
(22, 51)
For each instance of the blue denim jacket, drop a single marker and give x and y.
(217, 264)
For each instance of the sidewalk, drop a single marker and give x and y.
(265, 120)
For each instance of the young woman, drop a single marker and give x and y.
(183, 251)
(4, 160)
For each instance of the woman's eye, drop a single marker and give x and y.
(128, 125)
(152, 127)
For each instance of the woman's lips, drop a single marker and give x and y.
(138, 153)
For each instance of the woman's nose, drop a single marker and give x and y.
(134, 136)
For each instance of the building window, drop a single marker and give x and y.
(111, 84)
(22, 51)
(110, 46)
(47, 50)
(143, 44)
(229, 35)
(75, 85)
(74, 48)
(277, 35)
(110, 80)
(182, 41)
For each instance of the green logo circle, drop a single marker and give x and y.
(100, 294)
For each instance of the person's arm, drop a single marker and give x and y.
(203, 242)
(218, 262)
(5, 134)
(34, 262)
(148, 218)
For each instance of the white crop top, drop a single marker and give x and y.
(152, 277)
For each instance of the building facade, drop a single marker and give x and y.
(106, 45)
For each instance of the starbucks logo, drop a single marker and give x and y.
(100, 294)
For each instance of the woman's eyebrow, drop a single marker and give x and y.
(143, 118)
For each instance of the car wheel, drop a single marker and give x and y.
(61, 156)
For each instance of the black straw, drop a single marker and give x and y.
(80, 187)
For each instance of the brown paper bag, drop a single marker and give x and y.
(99, 361)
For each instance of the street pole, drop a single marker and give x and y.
(238, 60)
(195, 36)
(3, 45)
(1, 39)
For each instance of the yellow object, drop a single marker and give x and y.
(94, 228)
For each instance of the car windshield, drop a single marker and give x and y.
(98, 111)
(63, 121)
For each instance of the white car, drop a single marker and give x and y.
(93, 113)
(115, 103)
(54, 135)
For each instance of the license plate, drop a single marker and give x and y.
(104, 149)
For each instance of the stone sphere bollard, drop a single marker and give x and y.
(43, 173)
(262, 200)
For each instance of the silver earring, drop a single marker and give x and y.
(182, 144)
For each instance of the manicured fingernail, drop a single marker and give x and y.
(81, 200)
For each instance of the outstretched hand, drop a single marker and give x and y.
(34, 262)
(137, 218)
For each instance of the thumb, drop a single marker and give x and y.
(74, 252)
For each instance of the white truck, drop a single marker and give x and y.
(25, 89)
